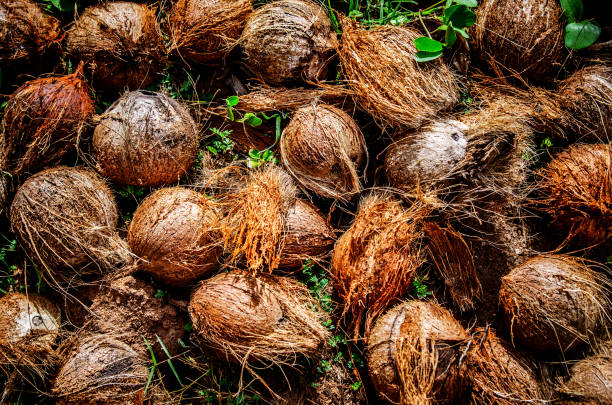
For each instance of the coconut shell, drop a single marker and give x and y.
(324, 150)
(520, 36)
(121, 44)
(203, 31)
(288, 40)
(590, 379)
(145, 139)
(554, 303)
(176, 234)
(43, 119)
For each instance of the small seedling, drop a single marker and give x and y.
(420, 289)
(222, 143)
(579, 34)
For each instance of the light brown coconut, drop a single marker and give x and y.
(65, 219)
(590, 379)
(43, 119)
(145, 139)
(203, 31)
(519, 36)
(554, 303)
(288, 40)
(176, 234)
(121, 44)
(248, 319)
(324, 150)
(265, 98)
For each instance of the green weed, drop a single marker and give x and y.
(420, 288)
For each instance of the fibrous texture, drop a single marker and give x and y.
(265, 98)
(590, 379)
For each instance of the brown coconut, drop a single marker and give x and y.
(145, 139)
(25, 30)
(288, 40)
(576, 191)
(203, 31)
(554, 303)
(520, 36)
(265, 98)
(375, 260)
(388, 82)
(44, 118)
(120, 42)
(65, 219)
(324, 150)
(590, 379)
(250, 319)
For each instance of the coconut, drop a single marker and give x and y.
(44, 118)
(391, 349)
(203, 31)
(576, 190)
(266, 98)
(65, 219)
(520, 36)
(250, 319)
(388, 82)
(120, 42)
(99, 369)
(145, 139)
(25, 30)
(590, 379)
(554, 303)
(288, 40)
(323, 148)
(375, 260)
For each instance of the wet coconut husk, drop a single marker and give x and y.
(43, 119)
(121, 44)
(203, 31)
(375, 260)
(25, 30)
(145, 139)
(288, 40)
(590, 379)
(388, 82)
(576, 191)
(65, 219)
(519, 36)
(175, 232)
(410, 352)
(324, 150)
(248, 319)
(555, 303)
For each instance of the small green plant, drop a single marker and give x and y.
(197, 164)
(257, 158)
(546, 143)
(163, 295)
(579, 34)
(222, 143)
(184, 90)
(135, 192)
(315, 278)
(63, 6)
(420, 289)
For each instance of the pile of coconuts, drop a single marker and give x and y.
(293, 202)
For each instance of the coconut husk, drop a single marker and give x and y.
(555, 303)
(145, 139)
(121, 44)
(44, 119)
(388, 82)
(65, 219)
(523, 37)
(203, 31)
(288, 40)
(590, 379)
(176, 233)
(375, 260)
(324, 150)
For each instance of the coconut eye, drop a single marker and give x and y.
(37, 320)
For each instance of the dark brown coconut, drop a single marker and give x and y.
(590, 379)
(520, 36)
(576, 188)
(245, 319)
(25, 30)
(202, 31)
(43, 119)
(145, 139)
(65, 219)
(554, 303)
(120, 42)
(324, 150)
(288, 40)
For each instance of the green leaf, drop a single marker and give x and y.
(450, 38)
(232, 101)
(448, 3)
(422, 56)
(581, 35)
(459, 15)
(252, 119)
(461, 32)
(426, 44)
(572, 9)
(63, 5)
(467, 3)
(355, 14)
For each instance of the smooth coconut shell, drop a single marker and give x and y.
(590, 379)
(554, 303)
(176, 233)
(203, 31)
(43, 119)
(120, 42)
(145, 139)
(288, 40)
(324, 150)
